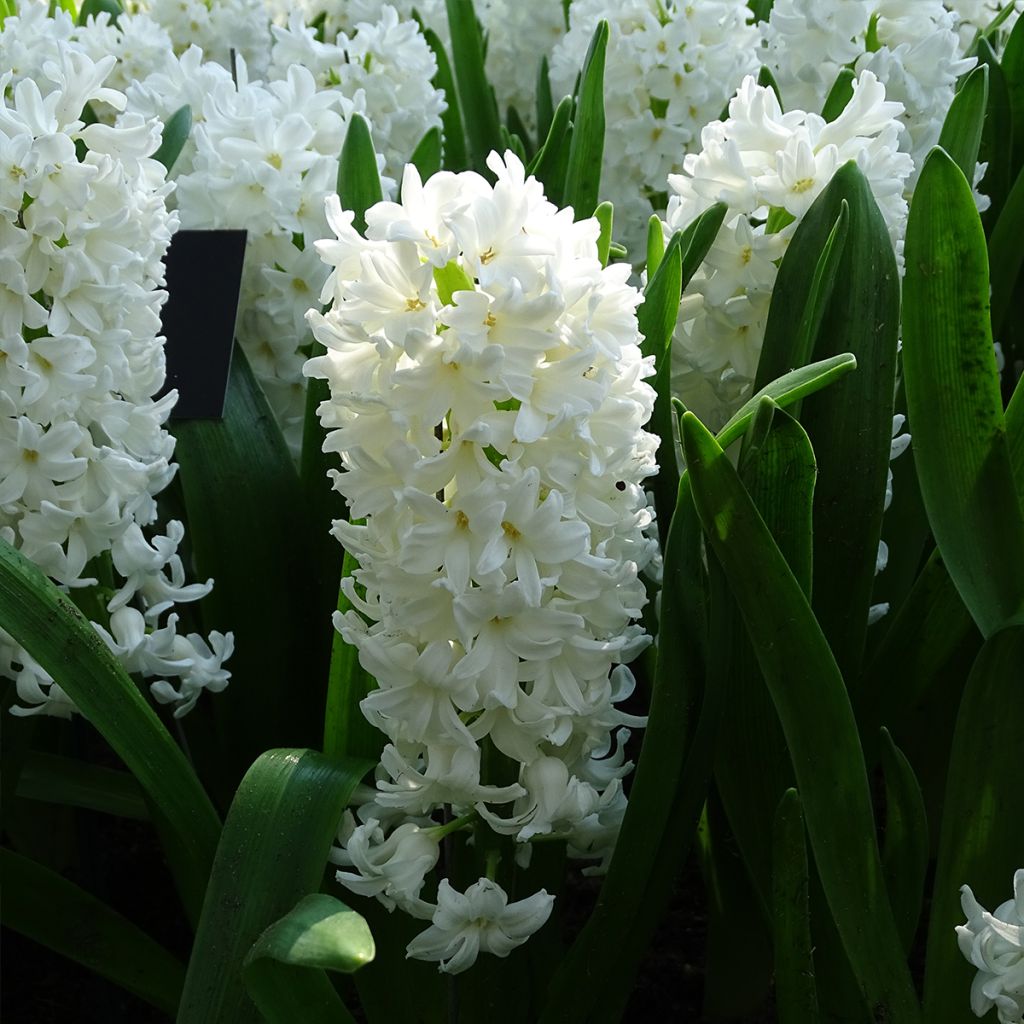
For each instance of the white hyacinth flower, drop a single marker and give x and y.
(481, 920)
(487, 405)
(756, 160)
(84, 226)
(994, 944)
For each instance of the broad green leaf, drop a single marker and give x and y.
(455, 157)
(56, 913)
(981, 818)
(346, 730)
(961, 130)
(476, 97)
(596, 975)
(953, 398)
(839, 95)
(851, 426)
(268, 590)
(752, 768)
(284, 970)
(272, 853)
(1006, 257)
(905, 849)
(52, 778)
(358, 177)
(761, 9)
(427, 155)
(796, 996)
(787, 389)
(813, 707)
(806, 307)
(44, 621)
(175, 135)
(549, 165)
(604, 215)
(519, 132)
(586, 150)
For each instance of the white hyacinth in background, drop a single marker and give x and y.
(83, 449)
(670, 69)
(757, 160)
(994, 944)
(487, 404)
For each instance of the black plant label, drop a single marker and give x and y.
(204, 272)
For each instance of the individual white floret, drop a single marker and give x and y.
(481, 920)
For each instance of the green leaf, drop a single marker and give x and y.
(655, 245)
(851, 426)
(604, 215)
(811, 701)
(698, 237)
(346, 730)
(272, 853)
(456, 157)
(426, 157)
(961, 131)
(839, 95)
(981, 818)
(552, 159)
(796, 996)
(752, 768)
(656, 317)
(905, 852)
(998, 127)
(358, 178)
(91, 8)
(175, 135)
(1012, 63)
(954, 402)
(1005, 261)
(267, 581)
(766, 80)
(786, 390)
(586, 150)
(481, 120)
(284, 970)
(44, 621)
(53, 911)
(545, 101)
(52, 778)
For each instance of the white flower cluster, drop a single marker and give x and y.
(487, 403)
(994, 943)
(517, 37)
(383, 64)
(757, 160)
(913, 48)
(83, 452)
(217, 27)
(670, 69)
